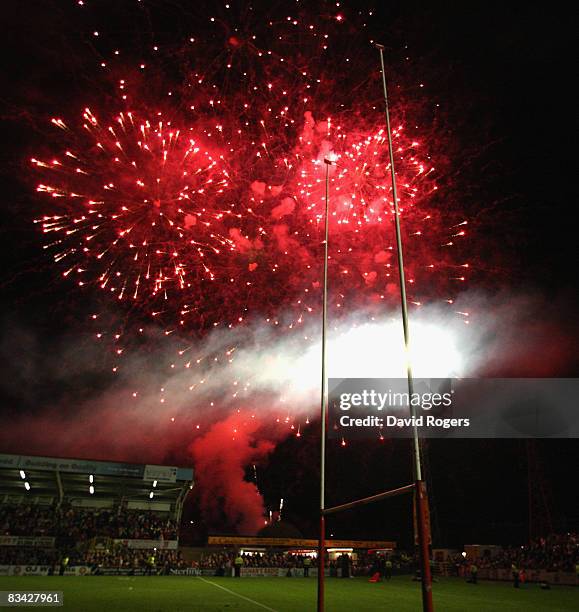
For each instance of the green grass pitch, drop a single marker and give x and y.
(192, 594)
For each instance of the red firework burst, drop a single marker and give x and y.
(218, 219)
(140, 208)
(360, 174)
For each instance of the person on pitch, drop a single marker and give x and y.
(473, 573)
(387, 569)
(150, 565)
(307, 565)
(238, 563)
(516, 575)
(345, 565)
(63, 565)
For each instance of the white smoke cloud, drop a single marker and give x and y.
(280, 371)
(170, 395)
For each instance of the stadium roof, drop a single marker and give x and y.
(46, 479)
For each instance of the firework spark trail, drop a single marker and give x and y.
(162, 225)
(258, 90)
(140, 207)
(203, 221)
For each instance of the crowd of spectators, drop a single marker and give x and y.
(75, 532)
(16, 555)
(225, 560)
(555, 553)
(367, 563)
(122, 557)
(74, 528)
(116, 557)
(361, 564)
(78, 524)
(27, 520)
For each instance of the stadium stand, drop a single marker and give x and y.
(557, 552)
(78, 517)
(104, 517)
(552, 559)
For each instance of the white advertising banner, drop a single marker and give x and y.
(280, 572)
(259, 571)
(77, 570)
(189, 571)
(163, 473)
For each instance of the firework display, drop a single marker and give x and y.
(190, 193)
(165, 195)
(201, 205)
(308, 251)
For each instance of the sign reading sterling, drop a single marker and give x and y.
(444, 408)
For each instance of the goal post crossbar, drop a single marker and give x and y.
(373, 498)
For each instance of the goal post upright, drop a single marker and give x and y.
(421, 501)
(418, 486)
(324, 401)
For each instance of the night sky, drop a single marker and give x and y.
(504, 77)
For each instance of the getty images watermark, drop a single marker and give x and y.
(398, 401)
(457, 408)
